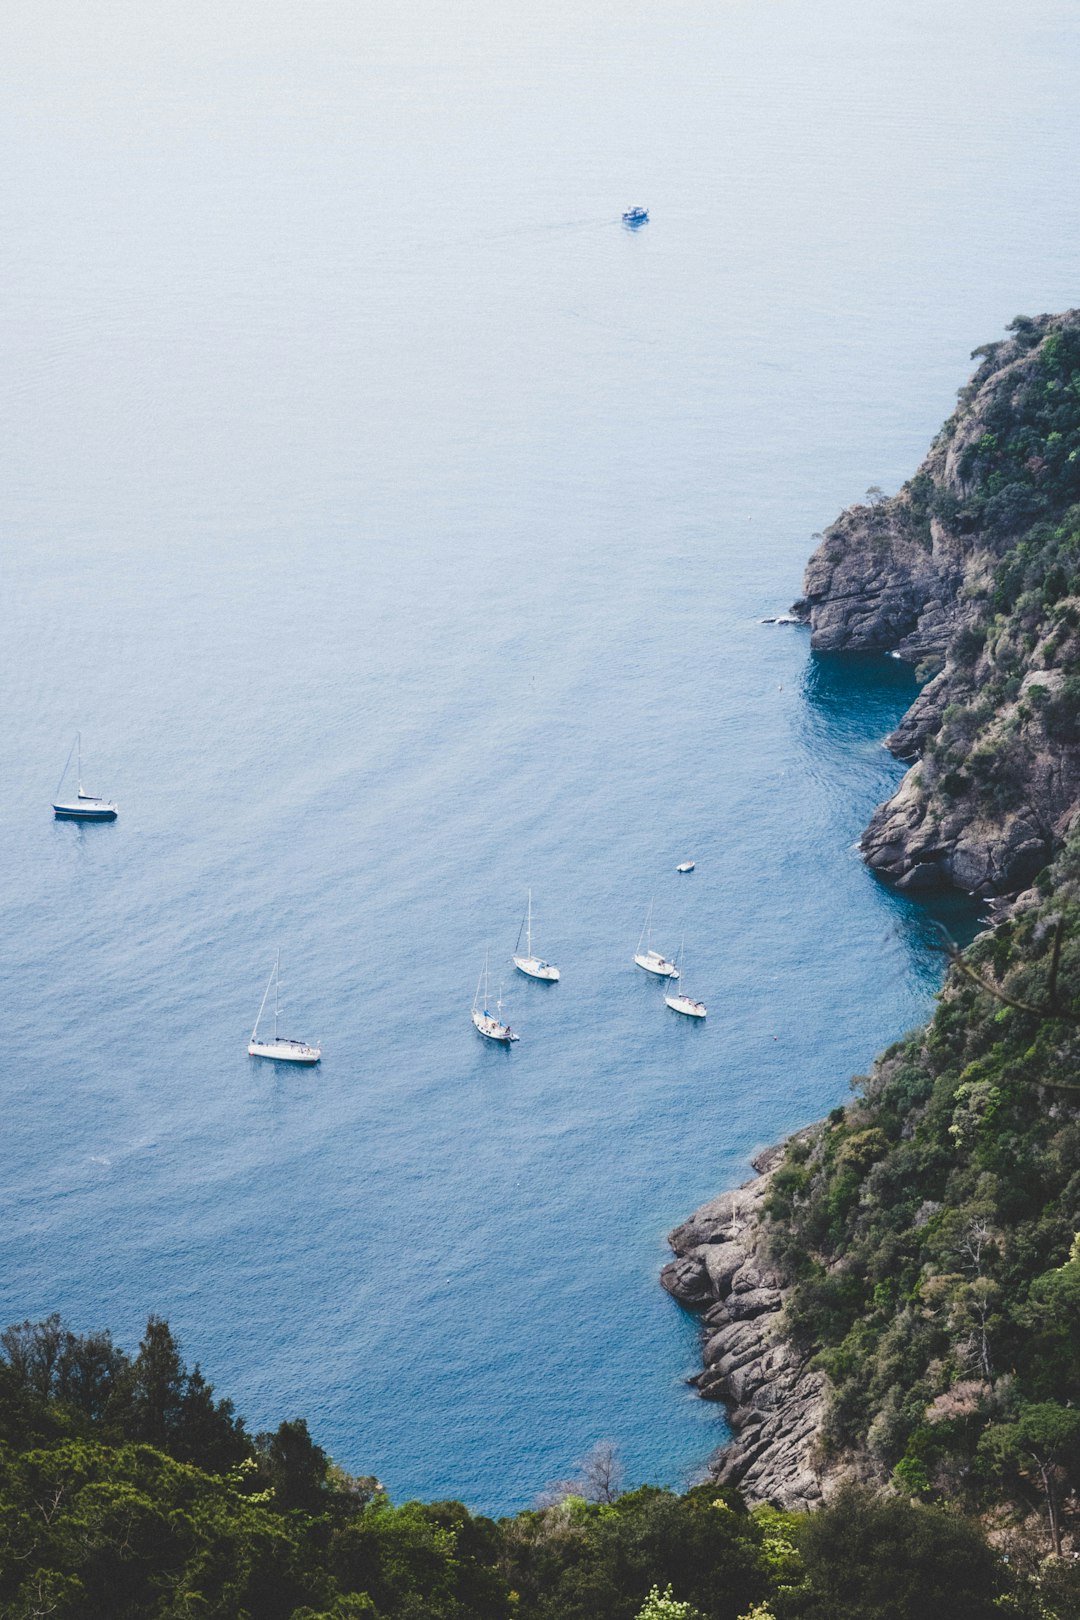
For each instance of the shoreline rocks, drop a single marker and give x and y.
(995, 783)
(775, 1401)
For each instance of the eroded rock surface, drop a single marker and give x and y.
(995, 733)
(776, 1403)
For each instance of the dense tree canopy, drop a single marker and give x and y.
(128, 1492)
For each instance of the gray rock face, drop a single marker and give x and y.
(875, 584)
(775, 1402)
(993, 794)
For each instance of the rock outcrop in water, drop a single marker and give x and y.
(972, 573)
(775, 1401)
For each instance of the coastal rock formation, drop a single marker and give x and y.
(972, 573)
(776, 1402)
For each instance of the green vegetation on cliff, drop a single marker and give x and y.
(932, 1229)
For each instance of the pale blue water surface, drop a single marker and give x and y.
(396, 527)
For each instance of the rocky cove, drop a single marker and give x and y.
(972, 574)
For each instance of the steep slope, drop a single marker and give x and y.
(922, 1251)
(972, 572)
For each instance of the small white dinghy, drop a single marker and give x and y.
(649, 959)
(488, 1025)
(534, 967)
(680, 1002)
(84, 806)
(279, 1047)
(685, 866)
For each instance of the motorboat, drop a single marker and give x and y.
(685, 866)
(635, 216)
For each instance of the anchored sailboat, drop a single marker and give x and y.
(679, 1002)
(533, 966)
(85, 806)
(490, 1026)
(279, 1047)
(649, 959)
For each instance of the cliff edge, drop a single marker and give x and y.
(972, 573)
(776, 1402)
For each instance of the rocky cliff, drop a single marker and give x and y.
(776, 1401)
(972, 573)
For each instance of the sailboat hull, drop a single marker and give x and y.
(282, 1051)
(654, 963)
(684, 1005)
(85, 812)
(491, 1029)
(533, 968)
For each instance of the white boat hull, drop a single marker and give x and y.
(491, 1029)
(534, 968)
(282, 1051)
(685, 866)
(85, 810)
(684, 1005)
(653, 962)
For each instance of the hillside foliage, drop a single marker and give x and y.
(128, 1492)
(932, 1229)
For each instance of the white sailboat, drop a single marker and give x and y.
(649, 959)
(84, 806)
(279, 1047)
(488, 1024)
(533, 966)
(679, 1002)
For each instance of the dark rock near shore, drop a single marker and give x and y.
(776, 1403)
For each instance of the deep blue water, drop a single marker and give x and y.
(396, 527)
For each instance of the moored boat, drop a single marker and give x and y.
(534, 967)
(651, 960)
(279, 1048)
(680, 1002)
(635, 216)
(84, 806)
(490, 1026)
(686, 1005)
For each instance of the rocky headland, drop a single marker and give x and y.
(971, 573)
(875, 1301)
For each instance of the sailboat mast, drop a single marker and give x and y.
(528, 930)
(277, 989)
(78, 744)
(262, 1004)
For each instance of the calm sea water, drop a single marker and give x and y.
(396, 527)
